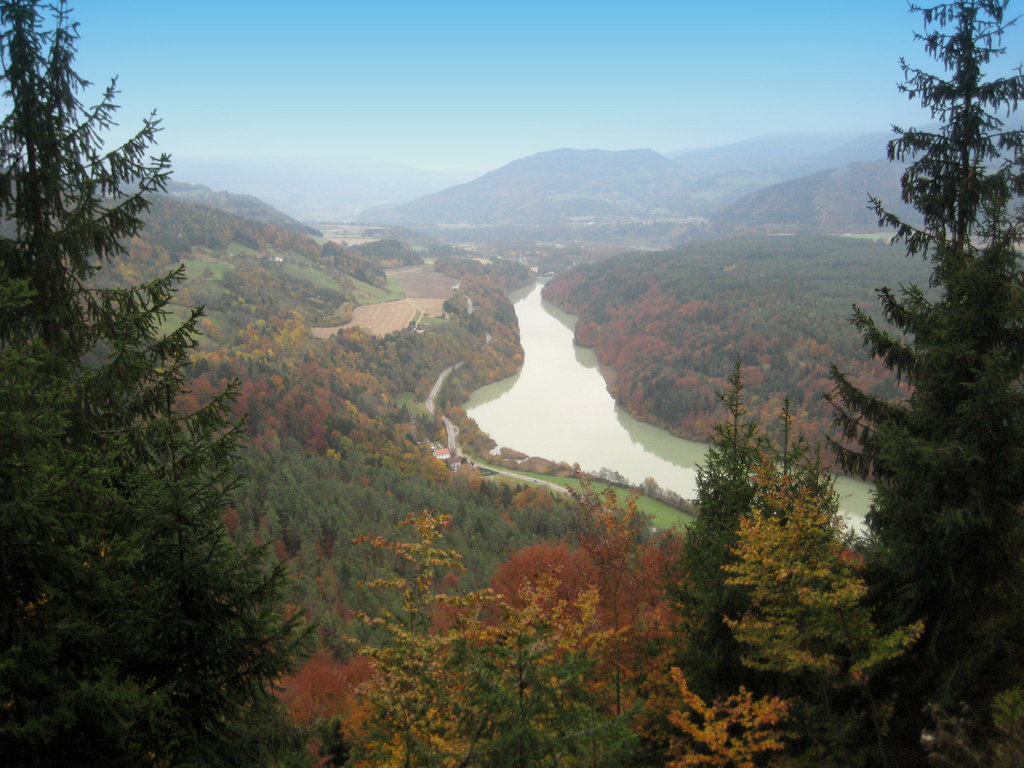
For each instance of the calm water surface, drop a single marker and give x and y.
(558, 407)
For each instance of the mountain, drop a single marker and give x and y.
(641, 197)
(785, 156)
(326, 191)
(550, 185)
(560, 194)
(729, 172)
(246, 206)
(832, 201)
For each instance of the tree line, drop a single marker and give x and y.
(146, 617)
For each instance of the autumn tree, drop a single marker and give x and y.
(807, 621)
(532, 697)
(948, 460)
(473, 680)
(611, 533)
(132, 631)
(411, 697)
(736, 731)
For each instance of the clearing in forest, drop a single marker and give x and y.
(425, 293)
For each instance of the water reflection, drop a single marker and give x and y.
(558, 407)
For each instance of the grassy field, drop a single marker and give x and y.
(205, 269)
(302, 269)
(408, 399)
(364, 293)
(237, 249)
(662, 515)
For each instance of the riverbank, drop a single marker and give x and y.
(558, 406)
(662, 515)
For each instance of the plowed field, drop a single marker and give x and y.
(382, 319)
(426, 291)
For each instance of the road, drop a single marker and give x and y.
(525, 478)
(438, 384)
(453, 433)
(451, 429)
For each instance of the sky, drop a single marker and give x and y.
(472, 86)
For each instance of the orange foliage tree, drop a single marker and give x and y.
(475, 680)
(628, 576)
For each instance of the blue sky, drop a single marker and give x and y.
(471, 86)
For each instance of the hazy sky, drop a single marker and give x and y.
(472, 86)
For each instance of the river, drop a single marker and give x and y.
(558, 406)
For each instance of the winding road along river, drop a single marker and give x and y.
(558, 407)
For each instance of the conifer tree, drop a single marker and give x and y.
(727, 486)
(132, 632)
(711, 656)
(946, 520)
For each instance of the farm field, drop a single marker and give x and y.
(425, 293)
(422, 282)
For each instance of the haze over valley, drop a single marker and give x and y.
(534, 385)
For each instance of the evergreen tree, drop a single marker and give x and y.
(711, 656)
(945, 524)
(132, 632)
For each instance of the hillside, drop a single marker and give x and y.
(730, 172)
(246, 206)
(565, 192)
(642, 198)
(672, 325)
(335, 443)
(828, 202)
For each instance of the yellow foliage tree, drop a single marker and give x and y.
(471, 680)
(737, 732)
(807, 619)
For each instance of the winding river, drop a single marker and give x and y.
(558, 407)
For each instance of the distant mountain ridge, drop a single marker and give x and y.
(640, 197)
(312, 191)
(548, 186)
(786, 156)
(633, 198)
(246, 206)
(833, 201)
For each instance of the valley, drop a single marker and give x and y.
(562, 464)
(340, 341)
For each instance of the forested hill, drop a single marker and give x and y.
(178, 231)
(336, 446)
(833, 201)
(672, 324)
(564, 194)
(247, 206)
(549, 186)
